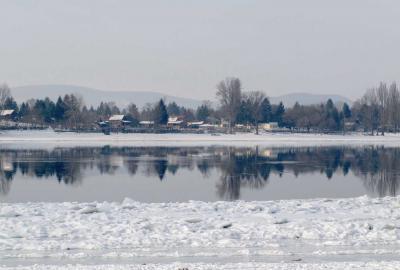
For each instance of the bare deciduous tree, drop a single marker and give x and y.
(133, 110)
(229, 92)
(5, 93)
(147, 112)
(382, 95)
(74, 104)
(381, 107)
(394, 106)
(256, 98)
(370, 110)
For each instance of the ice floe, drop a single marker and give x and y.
(130, 229)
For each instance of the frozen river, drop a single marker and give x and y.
(138, 201)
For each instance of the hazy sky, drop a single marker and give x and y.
(185, 47)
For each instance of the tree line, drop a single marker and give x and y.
(378, 110)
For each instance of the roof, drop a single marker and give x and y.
(196, 123)
(269, 123)
(6, 112)
(177, 122)
(172, 119)
(208, 125)
(116, 117)
(102, 123)
(146, 122)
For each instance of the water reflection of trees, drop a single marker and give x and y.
(250, 167)
(379, 168)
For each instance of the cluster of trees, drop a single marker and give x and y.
(246, 108)
(323, 117)
(377, 110)
(70, 111)
(6, 100)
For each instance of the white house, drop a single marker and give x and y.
(147, 124)
(174, 122)
(269, 126)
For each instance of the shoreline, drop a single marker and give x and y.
(44, 138)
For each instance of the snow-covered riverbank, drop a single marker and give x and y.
(198, 232)
(393, 265)
(50, 138)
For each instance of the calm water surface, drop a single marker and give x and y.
(164, 174)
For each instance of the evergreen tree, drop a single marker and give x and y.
(329, 105)
(266, 111)
(244, 115)
(278, 114)
(23, 110)
(173, 109)
(45, 109)
(59, 111)
(332, 118)
(187, 114)
(203, 112)
(346, 111)
(160, 114)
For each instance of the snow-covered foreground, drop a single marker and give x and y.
(274, 234)
(50, 138)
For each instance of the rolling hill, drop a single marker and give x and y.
(94, 96)
(140, 98)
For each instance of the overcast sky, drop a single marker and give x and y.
(185, 47)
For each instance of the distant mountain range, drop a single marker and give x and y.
(140, 98)
(94, 96)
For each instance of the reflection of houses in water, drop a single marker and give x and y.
(269, 153)
(116, 161)
(6, 164)
(7, 170)
(109, 164)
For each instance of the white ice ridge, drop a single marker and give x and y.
(294, 229)
(230, 266)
